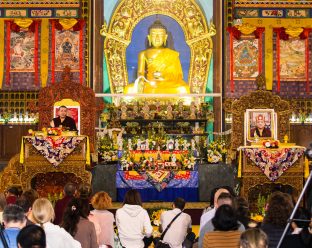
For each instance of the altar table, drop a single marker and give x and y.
(181, 184)
(259, 165)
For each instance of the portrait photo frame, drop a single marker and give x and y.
(269, 132)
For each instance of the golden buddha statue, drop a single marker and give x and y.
(159, 68)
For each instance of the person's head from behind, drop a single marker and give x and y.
(14, 216)
(31, 236)
(75, 209)
(253, 238)
(62, 111)
(279, 209)
(224, 199)
(179, 203)
(83, 191)
(242, 207)
(31, 195)
(225, 219)
(24, 203)
(132, 197)
(42, 211)
(12, 191)
(217, 194)
(101, 201)
(69, 189)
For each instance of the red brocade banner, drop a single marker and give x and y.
(236, 33)
(11, 26)
(282, 35)
(8, 45)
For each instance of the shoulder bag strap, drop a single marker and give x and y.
(169, 225)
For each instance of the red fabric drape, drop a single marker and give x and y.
(36, 52)
(258, 35)
(53, 51)
(8, 52)
(278, 72)
(81, 54)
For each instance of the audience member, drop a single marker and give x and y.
(253, 238)
(3, 203)
(300, 236)
(75, 221)
(83, 191)
(278, 211)
(25, 204)
(180, 228)
(57, 237)
(243, 214)
(209, 214)
(133, 222)
(223, 199)
(226, 232)
(101, 201)
(212, 196)
(32, 236)
(60, 205)
(11, 195)
(14, 220)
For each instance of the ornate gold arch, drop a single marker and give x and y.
(130, 12)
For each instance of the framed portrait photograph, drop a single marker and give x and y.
(72, 111)
(260, 124)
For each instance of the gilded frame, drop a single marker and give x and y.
(192, 21)
(270, 123)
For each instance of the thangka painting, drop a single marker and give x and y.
(66, 50)
(22, 47)
(292, 59)
(245, 54)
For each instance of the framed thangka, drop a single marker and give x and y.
(22, 50)
(67, 50)
(246, 58)
(292, 59)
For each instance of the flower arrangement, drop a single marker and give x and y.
(270, 143)
(55, 131)
(107, 149)
(155, 216)
(6, 117)
(216, 151)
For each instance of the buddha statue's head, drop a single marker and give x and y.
(157, 36)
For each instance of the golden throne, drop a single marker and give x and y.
(36, 171)
(251, 176)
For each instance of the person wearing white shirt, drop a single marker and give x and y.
(207, 216)
(133, 222)
(181, 226)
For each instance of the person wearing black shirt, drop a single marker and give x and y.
(63, 120)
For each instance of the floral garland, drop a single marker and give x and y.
(217, 151)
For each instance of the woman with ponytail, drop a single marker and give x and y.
(75, 221)
(57, 237)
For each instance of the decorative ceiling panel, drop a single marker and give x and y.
(273, 3)
(39, 3)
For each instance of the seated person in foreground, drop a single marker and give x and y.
(160, 66)
(63, 120)
(180, 229)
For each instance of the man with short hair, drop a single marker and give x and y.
(14, 220)
(60, 205)
(180, 228)
(223, 199)
(63, 120)
(207, 216)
